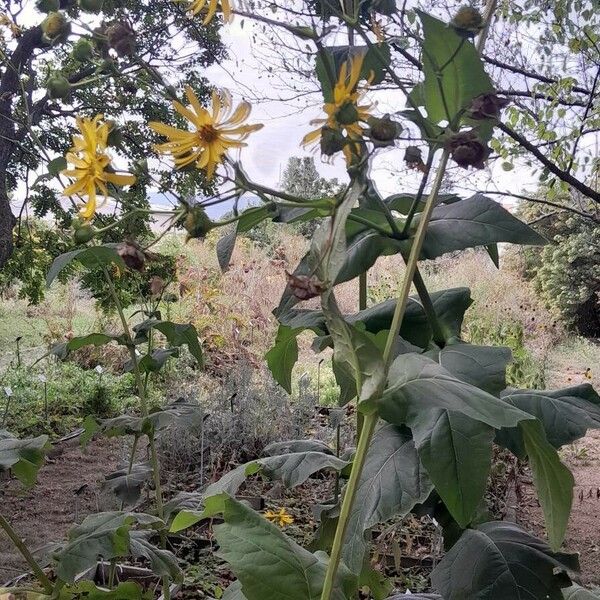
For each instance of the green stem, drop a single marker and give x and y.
(362, 304)
(22, 548)
(370, 421)
(438, 334)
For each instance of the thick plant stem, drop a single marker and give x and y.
(370, 421)
(362, 304)
(368, 428)
(22, 548)
(438, 334)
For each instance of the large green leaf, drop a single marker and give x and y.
(282, 357)
(456, 452)
(475, 221)
(453, 70)
(354, 352)
(500, 561)
(453, 425)
(89, 257)
(481, 366)
(127, 485)
(553, 481)
(177, 334)
(127, 590)
(103, 535)
(162, 562)
(418, 385)
(391, 483)
(565, 414)
(23, 457)
(290, 446)
(269, 564)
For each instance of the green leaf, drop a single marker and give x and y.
(24, 457)
(391, 484)
(270, 565)
(453, 70)
(355, 353)
(128, 590)
(252, 217)
(565, 414)
(282, 357)
(90, 257)
(456, 452)
(475, 221)
(126, 485)
(105, 535)
(498, 561)
(553, 481)
(177, 334)
(225, 247)
(153, 363)
(290, 446)
(63, 349)
(162, 562)
(576, 592)
(402, 203)
(417, 385)
(481, 366)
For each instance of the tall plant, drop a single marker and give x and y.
(432, 405)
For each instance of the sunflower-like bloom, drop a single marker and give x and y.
(281, 517)
(345, 113)
(92, 165)
(214, 132)
(211, 7)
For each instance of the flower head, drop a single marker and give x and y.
(92, 166)
(345, 113)
(281, 517)
(211, 6)
(213, 134)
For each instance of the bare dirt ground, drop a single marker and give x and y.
(67, 490)
(583, 458)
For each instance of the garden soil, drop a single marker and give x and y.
(67, 490)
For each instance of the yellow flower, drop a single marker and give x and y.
(213, 133)
(281, 517)
(196, 6)
(92, 169)
(345, 113)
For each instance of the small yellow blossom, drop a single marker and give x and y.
(345, 113)
(211, 6)
(213, 133)
(281, 517)
(92, 165)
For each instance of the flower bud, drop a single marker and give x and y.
(468, 150)
(122, 39)
(93, 6)
(467, 21)
(83, 50)
(47, 6)
(347, 114)
(55, 28)
(197, 223)
(487, 106)
(58, 87)
(115, 135)
(332, 141)
(83, 234)
(305, 287)
(132, 256)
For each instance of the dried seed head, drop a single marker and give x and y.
(487, 106)
(383, 130)
(305, 287)
(468, 150)
(55, 28)
(132, 256)
(467, 21)
(122, 39)
(94, 6)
